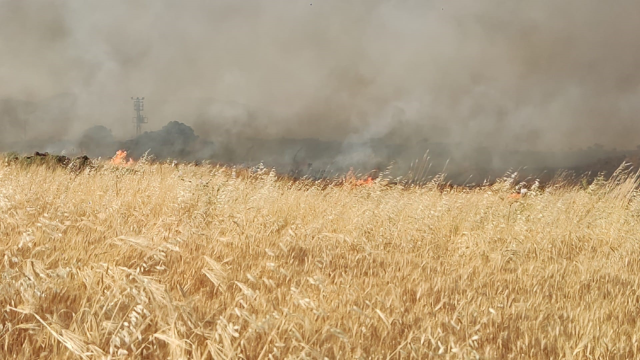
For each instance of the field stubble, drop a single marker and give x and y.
(161, 261)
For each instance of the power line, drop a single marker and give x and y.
(139, 119)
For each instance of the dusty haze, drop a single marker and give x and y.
(534, 75)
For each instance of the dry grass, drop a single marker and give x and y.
(193, 262)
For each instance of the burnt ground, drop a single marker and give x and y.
(414, 163)
(578, 176)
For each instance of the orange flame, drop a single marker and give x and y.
(350, 179)
(120, 158)
(368, 181)
(520, 195)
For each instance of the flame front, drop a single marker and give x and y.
(367, 181)
(352, 180)
(120, 158)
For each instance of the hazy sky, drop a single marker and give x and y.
(523, 74)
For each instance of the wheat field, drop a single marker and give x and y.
(183, 262)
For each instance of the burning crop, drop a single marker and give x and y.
(353, 181)
(365, 182)
(120, 158)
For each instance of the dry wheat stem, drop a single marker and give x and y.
(166, 261)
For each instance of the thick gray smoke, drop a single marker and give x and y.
(503, 74)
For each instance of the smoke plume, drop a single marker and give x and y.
(495, 74)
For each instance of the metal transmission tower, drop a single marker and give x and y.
(139, 119)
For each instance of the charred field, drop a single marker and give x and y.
(409, 163)
(178, 260)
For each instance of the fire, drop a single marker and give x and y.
(120, 158)
(520, 195)
(350, 179)
(368, 181)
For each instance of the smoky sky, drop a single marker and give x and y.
(509, 74)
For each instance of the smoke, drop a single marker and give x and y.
(499, 74)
